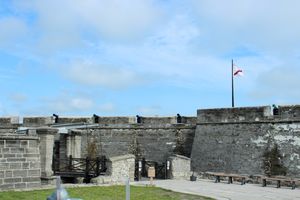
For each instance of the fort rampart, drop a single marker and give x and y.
(235, 139)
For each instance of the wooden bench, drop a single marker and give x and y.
(230, 177)
(280, 179)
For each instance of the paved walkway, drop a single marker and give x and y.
(224, 191)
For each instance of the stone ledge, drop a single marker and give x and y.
(123, 157)
(51, 180)
(18, 137)
(269, 121)
(179, 156)
(102, 180)
(46, 130)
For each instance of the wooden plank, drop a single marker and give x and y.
(279, 180)
(231, 177)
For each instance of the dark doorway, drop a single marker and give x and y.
(142, 166)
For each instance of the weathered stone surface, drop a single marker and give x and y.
(8, 174)
(180, 167)
(80, 180)
(118, 169)
(46, 136)
(102, 180)
(121, 167)
(238, 146)
(32, 179)
(33, 185)
(8, 124)
(7, 186)
(73, 144)
(48, 180)
(20, 173)
(15, 162)
(5, 120)
(12, 180)
(34, 172)
(233, 114)
(20, 185)
(154, 142)
(12, 143)
(289, 112)
(37, 121)
(68, 120)
(15, 165)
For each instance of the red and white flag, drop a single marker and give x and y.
(237, 71)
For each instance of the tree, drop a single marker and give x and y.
(272, 163)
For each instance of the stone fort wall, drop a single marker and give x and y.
(235, 139)
(156, 137)
(228, 139)
(154, 142)
(19, 162)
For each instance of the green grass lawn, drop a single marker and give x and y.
(104, 193)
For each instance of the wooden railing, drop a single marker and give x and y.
(79, 167)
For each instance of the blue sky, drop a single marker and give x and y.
(146, 57)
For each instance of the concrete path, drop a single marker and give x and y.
(222, 191)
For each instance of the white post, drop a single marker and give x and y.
(58, 197)
(127, 189)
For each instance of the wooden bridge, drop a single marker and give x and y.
(79, 167)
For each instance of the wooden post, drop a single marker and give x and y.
(70, 162)
(87, 163)
(217, 179)
(156, 169)
(264, 182)
(293, 185)
(144, 173)
(278, 184)
(243, 181)
(103, 164)
(98, 166)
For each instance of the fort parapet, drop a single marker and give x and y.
(228, 115)
(289, 112)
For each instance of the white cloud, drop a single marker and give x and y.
(81, 103)
(107, 107)
(64, 28)
(87, 73)
(67, 21)
(278, 84)
(119, 18)
(149, 110)
(18, 97)
(268, 25)
(2, 111)
(67, 104)
(172, 55)
(12, 30)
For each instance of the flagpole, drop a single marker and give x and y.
(232, 85)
